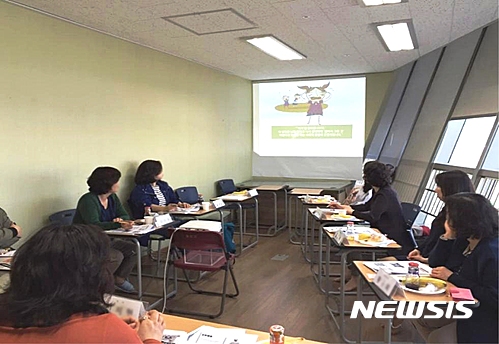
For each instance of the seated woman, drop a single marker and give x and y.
(383, 211)
(151, 192)
(470, 216)
(102, 207)
(56, 294)
(448, 184)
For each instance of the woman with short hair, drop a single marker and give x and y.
(102, 207)
(472, 217)
(56, 292)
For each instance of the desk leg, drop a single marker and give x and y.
(305, 231)
(388, 331)
(318, 276)
(139, 268)
(359, 317)
(241, 235)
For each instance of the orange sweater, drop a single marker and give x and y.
(104, 328)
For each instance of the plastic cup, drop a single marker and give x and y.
(341, 211)
(206, 206)
(148, 220)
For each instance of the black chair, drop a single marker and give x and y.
(64, 217)
(225, 186)
(410, 212)
(187, 194)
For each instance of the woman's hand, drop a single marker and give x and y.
(151, 326)
(441, 273)
(335, 205)
(118, 219)
(17, 228)
(416, 255)
(131, 321)
(184, 205)
(348, 208)
(171, 207)
(126, 225)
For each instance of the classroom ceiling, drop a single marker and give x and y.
(336, 35)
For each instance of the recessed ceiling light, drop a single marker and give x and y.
(381, 2)
(275, 48)
(306, 17)
(397, 36)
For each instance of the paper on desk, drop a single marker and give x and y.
(192, 209)
(5, 259)
(211, 335)
(174, 337)
(397, 268)
(136, 230)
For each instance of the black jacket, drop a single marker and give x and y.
(479, 273)
(437, 229)
(384, 212)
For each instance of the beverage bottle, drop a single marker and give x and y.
(412, 277)
(276, 334)
(350, 228)
(147, 211)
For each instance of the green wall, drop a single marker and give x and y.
(72, 99)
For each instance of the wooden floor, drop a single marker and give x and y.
(275, 292)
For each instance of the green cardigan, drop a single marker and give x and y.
(88, 211)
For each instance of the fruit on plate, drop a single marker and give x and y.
(364, 236)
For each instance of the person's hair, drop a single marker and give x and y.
(60, 271)
(471, 215)
(377, 174)
(147, 172)
(392, 170)
(102, 179)
(453, 182)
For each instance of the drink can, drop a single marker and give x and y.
(276, 334)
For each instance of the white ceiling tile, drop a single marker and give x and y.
(469, 16)
(335, 3)
(385, 13)
(337, 37)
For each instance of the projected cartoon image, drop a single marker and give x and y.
(312, 102)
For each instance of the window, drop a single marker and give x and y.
(470, 145)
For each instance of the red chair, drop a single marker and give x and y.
(200, 250)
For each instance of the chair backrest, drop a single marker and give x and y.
(410, 211)
(191, 239)
(225, 186)
(64, 217)
(187, 194)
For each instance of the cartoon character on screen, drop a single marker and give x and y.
(316, 97)
(286, 101)
(296, 99)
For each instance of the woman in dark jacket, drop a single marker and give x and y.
(448, 184)
(151, 192)
(470, 216)
(383, 211)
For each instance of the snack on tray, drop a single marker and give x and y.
(377, 237)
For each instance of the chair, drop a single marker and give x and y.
(225, 186)
(187, 194)
(64, 217)
(202, 251)
(410, 211)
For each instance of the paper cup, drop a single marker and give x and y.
(148, 220)
(206, 206)
(341, 211)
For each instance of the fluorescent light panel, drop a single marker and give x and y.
(396, 36)
(380, 2)
(275, 48)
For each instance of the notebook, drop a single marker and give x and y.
(461, 294)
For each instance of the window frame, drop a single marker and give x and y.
(477, 173)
